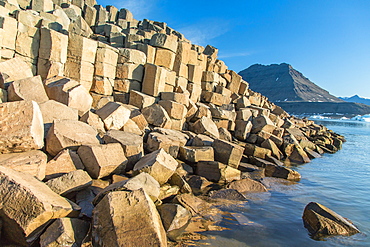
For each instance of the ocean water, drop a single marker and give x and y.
(340, 181)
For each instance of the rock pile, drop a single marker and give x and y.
(109, 126)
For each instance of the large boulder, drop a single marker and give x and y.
(27, 89)
(101, 160)
(24, 135)
(114, 115)
(65, 232)
(132, 144)
(127, 218)
(247, 185)
(32, 162)
(217, 172)
(322, 221)
(27, 205)
(207, 127)
(175, 219)
(228, 153)
(159, 164)
(64, 162)
(142, 181)
(69, 92)
(61, 136)
(70, 182)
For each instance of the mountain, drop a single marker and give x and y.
(281, 82)
(356, 99)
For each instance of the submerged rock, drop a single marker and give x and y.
(321, 221)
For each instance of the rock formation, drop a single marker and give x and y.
(104, 117)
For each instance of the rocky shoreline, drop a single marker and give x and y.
(117, 132)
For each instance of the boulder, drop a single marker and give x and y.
(247, 185)
(141, 100)
(202, 140)
(141, 181)
(256, 151)
(68, 92)
(228, 153)
(120, 214)
(70, 182)
(32, 162)
(242, 129)
(175, 219)
(217, 172)
(27, 206)
(322, 222)
(207, 127)
(198, 207)
(199, 185)
(94, 121)
(262, 123)
(131, 143)
(60, 135)
(227, 194)
(296, 155)
(64, 162)
(65, 232)
(52, 110)
(157, 116)
(15, 68)
(158, 140)
(27, 89)
(101, 160)
(21, 136)
(195, 154)
(114, 115)
(154, 79)
(164, 41)
(159, 164)
(177, 179)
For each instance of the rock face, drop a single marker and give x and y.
(281, 82)
(24, 135)
(27, 205)
(322, 222)
(124, 218)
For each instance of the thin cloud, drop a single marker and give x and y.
(201, 33)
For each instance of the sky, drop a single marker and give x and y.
(326, 40)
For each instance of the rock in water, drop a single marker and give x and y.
(27, 205)
(322, 221)
(127, 218)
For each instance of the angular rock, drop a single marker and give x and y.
(154, 80)
(70, 182)
(127, 55)
(94, 121)
(242, 129)
(202, 140)
(31, 162)
(247, 185)
(114, 115)
(65, 232)
(64, 162)
(101, 160)
(164, 58)
(275, 151)
(262, 123)
(228, 153)
(27, 89)
(296, 154)
(141, 181)
(141, 100)
(164, 41)
(120, 214)
(168, 191)
(217, 172)
(199, 185)
(131, 143)
(256, 151)
(175, 110)
(27, 206)
(195, 154)
(157, 141)
(157, 116)
(175, 219)
(69, 92)
(322, 222)
(60, 136)
(227, 194)
(206, 126)
(159, 164)
(273, 170)
(21, 136)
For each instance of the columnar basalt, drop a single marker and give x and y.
(97, 90)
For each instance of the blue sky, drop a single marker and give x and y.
(327, 40)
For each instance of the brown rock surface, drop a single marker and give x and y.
(127, 218)
(21, 127)
(27, 205)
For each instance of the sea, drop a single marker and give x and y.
(339, 181)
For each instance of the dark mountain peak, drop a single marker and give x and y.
(281, 82)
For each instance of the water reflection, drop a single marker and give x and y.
(346, 123)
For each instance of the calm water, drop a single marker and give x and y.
(339, 181)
